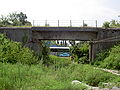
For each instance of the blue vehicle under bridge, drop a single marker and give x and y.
(60, 51)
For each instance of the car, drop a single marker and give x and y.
(64, 55)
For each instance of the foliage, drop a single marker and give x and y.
(83, 60)
(106, 25)
(100, 57)
(14, 19)
(110, 59)
(13, 52)
(58, 61)
(44, 45)
(111, 24)
(80, 50)
(39, 77)
(114, 23)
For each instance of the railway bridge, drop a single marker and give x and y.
(99, 38)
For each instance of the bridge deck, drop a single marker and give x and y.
(91, 29)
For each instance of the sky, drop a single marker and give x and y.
(89, 10)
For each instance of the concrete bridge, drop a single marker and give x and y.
(33, 35)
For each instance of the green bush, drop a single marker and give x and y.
(109, 59)
(80, 52)
(13, 52)
(100, 57)
(106, 25)
(83, 60)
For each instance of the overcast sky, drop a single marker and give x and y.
(101, 10)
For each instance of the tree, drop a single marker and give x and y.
(15, 19)
(106, 24)
(4, 21)
(114, 23)
(22, 18)
(111, 24)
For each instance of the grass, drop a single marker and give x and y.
(38, 77)
(20, 69)
(35, 77)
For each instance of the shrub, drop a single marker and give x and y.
(83, 60)
(109, 59)
(13, 52)
(106, 25)
(80, 52)
(100, 57)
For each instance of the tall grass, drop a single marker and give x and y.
(39, 77)
(20, 69)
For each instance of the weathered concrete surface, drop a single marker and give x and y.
(16, 33)
(64, 33)
(100, 46)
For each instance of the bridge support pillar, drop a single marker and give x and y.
(36, 46)
(91, 52)
(95, 48)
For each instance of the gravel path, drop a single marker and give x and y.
(111, 71)
(97, 88)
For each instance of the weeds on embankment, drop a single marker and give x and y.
(20, 69)
(39, 77)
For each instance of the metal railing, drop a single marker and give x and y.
(65, 23)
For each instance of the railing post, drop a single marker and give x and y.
(46, 23)
(33, 22)
(83, 23)
(96, 23)
(58, 23)
(70, 23)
